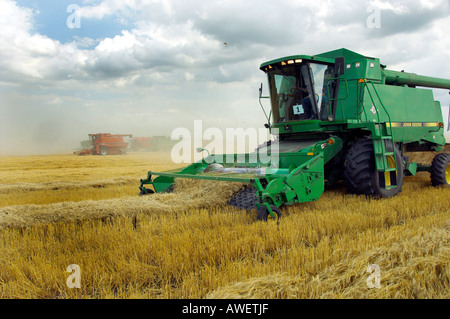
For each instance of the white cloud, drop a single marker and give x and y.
(396, 7)
(173, 57)
(105, 8)
(27, 56)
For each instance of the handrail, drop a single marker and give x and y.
(359, 93)
(380, 131)
(376, 108)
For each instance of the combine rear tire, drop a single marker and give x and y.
(440, 170)
(361, 176)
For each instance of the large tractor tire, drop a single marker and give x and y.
(103, 151)
(361, 176)
(440, 170)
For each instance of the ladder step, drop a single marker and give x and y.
(382, 138)
(381, 143)
(385, 153)
(389, 169)
(384, 131)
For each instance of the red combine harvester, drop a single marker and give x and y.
(106, 144)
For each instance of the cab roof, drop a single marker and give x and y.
(326, 57)
(297, 57)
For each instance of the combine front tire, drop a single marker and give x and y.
(440, 170)
(361, 176)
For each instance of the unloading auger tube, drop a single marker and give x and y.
(339, 116)
(413, 80)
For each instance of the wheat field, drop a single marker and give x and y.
(61, 210)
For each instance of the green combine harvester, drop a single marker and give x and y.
(338, 116)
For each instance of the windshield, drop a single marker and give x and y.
(298, 92)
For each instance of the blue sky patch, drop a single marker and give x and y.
(51, 20)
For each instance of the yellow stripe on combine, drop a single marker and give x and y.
(412, 124)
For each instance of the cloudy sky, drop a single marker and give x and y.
(69, 68)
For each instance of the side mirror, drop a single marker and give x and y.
(262, 107)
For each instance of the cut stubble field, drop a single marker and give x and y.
(63, 209)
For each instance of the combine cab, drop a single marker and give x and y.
(340, 116)
(106, 144)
